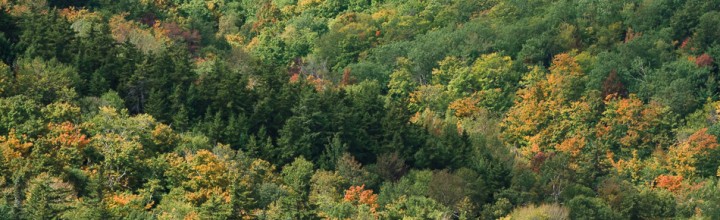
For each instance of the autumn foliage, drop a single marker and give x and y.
(704, 60)
(14, 146)
(358, 195)
(682, 158)
(546, 112)
(672, 183)
(359, 109)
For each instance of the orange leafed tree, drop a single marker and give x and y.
(14, 147)
(672, 183)
(358, 195)
(66, 135)
(65, 143)
(629, 124)
(682, 158)
(548, 112)
(465, 107)
(202, 175)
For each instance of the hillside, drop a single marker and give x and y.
(359, 109)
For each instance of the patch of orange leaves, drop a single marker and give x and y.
(68, 135)
(669, 182)
(13, 147)
(73, 14)
(319, 83)
(572, 145)
(464, 107)
(358, 195)
(682, 157)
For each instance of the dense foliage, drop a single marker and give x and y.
(359, 109)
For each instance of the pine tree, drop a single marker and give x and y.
(157, 105)
(334, 150)
(8, 35)
(47, 197)
(94, 56)
(46, 35)
(136, 87)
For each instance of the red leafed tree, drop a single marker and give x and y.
(347, 78)
(538, 160)
(174, 31)
(614, 86)
(704, 60)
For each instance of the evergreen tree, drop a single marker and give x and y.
(47, 197)
(47, 36)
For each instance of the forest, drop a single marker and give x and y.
(359, 109)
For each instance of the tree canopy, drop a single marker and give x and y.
(359, 109)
